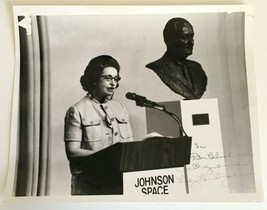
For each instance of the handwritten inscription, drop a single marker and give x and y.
(214, 156)
(197, 146)
(210, 155)
(209, 166)
(224, 179)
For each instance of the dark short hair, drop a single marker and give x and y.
(172, 29)
(94, 69)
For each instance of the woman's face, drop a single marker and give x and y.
(107, 83)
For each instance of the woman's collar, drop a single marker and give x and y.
(107, 99)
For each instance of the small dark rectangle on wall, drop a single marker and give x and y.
(200, 119)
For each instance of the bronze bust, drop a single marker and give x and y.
(184, 77)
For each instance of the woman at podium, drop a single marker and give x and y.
(96, 121)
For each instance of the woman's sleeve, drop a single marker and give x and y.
(72, 128)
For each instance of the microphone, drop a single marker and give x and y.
(143, 101)
(140, 100)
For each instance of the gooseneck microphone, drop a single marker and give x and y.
(140, 100)
(143, 101)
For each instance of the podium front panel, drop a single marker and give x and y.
(105, 168)
(155, 153)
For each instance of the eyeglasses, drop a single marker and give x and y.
(109, 78)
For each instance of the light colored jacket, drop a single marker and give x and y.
(85, 122)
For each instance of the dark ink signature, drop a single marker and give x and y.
(225, 180)
(214, 156)
(197, 146)
(196, 156)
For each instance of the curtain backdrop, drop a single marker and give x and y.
(33, 159)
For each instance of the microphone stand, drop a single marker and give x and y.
(156, 106)
(163, 108)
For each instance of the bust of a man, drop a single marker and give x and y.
(184, 77)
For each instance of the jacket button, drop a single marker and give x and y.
(116, 133)
(106, 107)
(112, 119)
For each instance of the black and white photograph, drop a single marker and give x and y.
(141, 103)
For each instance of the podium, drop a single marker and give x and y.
(104, 169)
